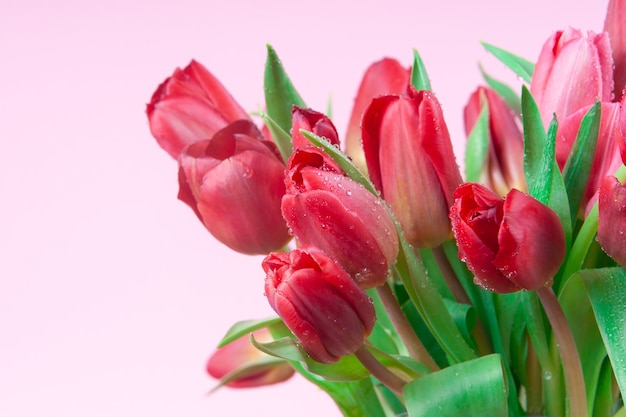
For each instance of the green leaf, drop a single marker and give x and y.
(607, 291)
(281, 138)
(578, 166)
(521, 66)
(419, 77)
(248, 368)
(510, 97)
(476, 150)
(245, 327)
(280, 94)
(473, 388)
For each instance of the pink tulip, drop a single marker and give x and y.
(190, 106)
(615, 26)
(235, 182)
(612, 219)
(505, 163)
(319, 302)
(509, 244)
(312, 121)
(573, 70)
(386, 76)
(259, 371)
(411, 162)
(328, 210)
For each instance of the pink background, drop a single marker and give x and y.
(112, 295)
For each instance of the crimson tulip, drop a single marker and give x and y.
(573, 70)
(319, 302)
(615, 26)
(190, 106)
(312, 121)
(326, 209)
(411, 162)
(505, 163)
(386, 76)
(509, 243)
(612, 219)
(257, 369)
(234, 182)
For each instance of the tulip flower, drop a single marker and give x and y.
(615, 26)
(411, 162)
(234, 182)
(612, 219)
(190, 106)
(254, 367)
(319, 302)
(509, 244)
(326, 209)
(312, 121)
(505, 162)
(573, 70)
(386, 76)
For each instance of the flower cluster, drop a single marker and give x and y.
(386, 264)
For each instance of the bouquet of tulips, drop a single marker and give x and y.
(402, 286)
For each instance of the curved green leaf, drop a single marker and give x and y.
(521, 66)
(245, 327)
(476, 149)
(419, 77)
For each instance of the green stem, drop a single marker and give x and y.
(384, 375)
(449, 276)
(402, 325)
(568, 350)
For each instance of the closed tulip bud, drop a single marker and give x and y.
(612, 219)
(386, 76)
(509, 244)
(573, 70)
(312, 121)
(326, 209)
(505, 163)
(319, 302)
(234, 182)
(253, 367)
(615, 26)
(411, 162)
(190, 106)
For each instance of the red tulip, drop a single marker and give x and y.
(319, 302)
(326, 209)
(615, 26)
(410, 160)
(189, 106)
(258, 370)
(612, 219)
(505, 163)
(509, 244)
(234, 182)
(312, 121)
(386, 76)
(573, 70)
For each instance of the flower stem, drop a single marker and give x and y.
(406, 332)
(449, 276)
(568, 350)
(535, 382)
(384, 375)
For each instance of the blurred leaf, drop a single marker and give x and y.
(281, 138)
(521, 66)
(245, 327)
(578, 166)
(477, 147)
(419, 77)
(510, 97)
(473, 388)
(249, 368)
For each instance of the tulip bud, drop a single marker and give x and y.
(241, 353)
(386, 76)
(509, 244)
(505, 163)
(615, 26)
(573, 70)
(234, 182)
(312, 121)
(319, 302)
(411, 162)
(612, 219)
(189, 106)
(328, 210)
